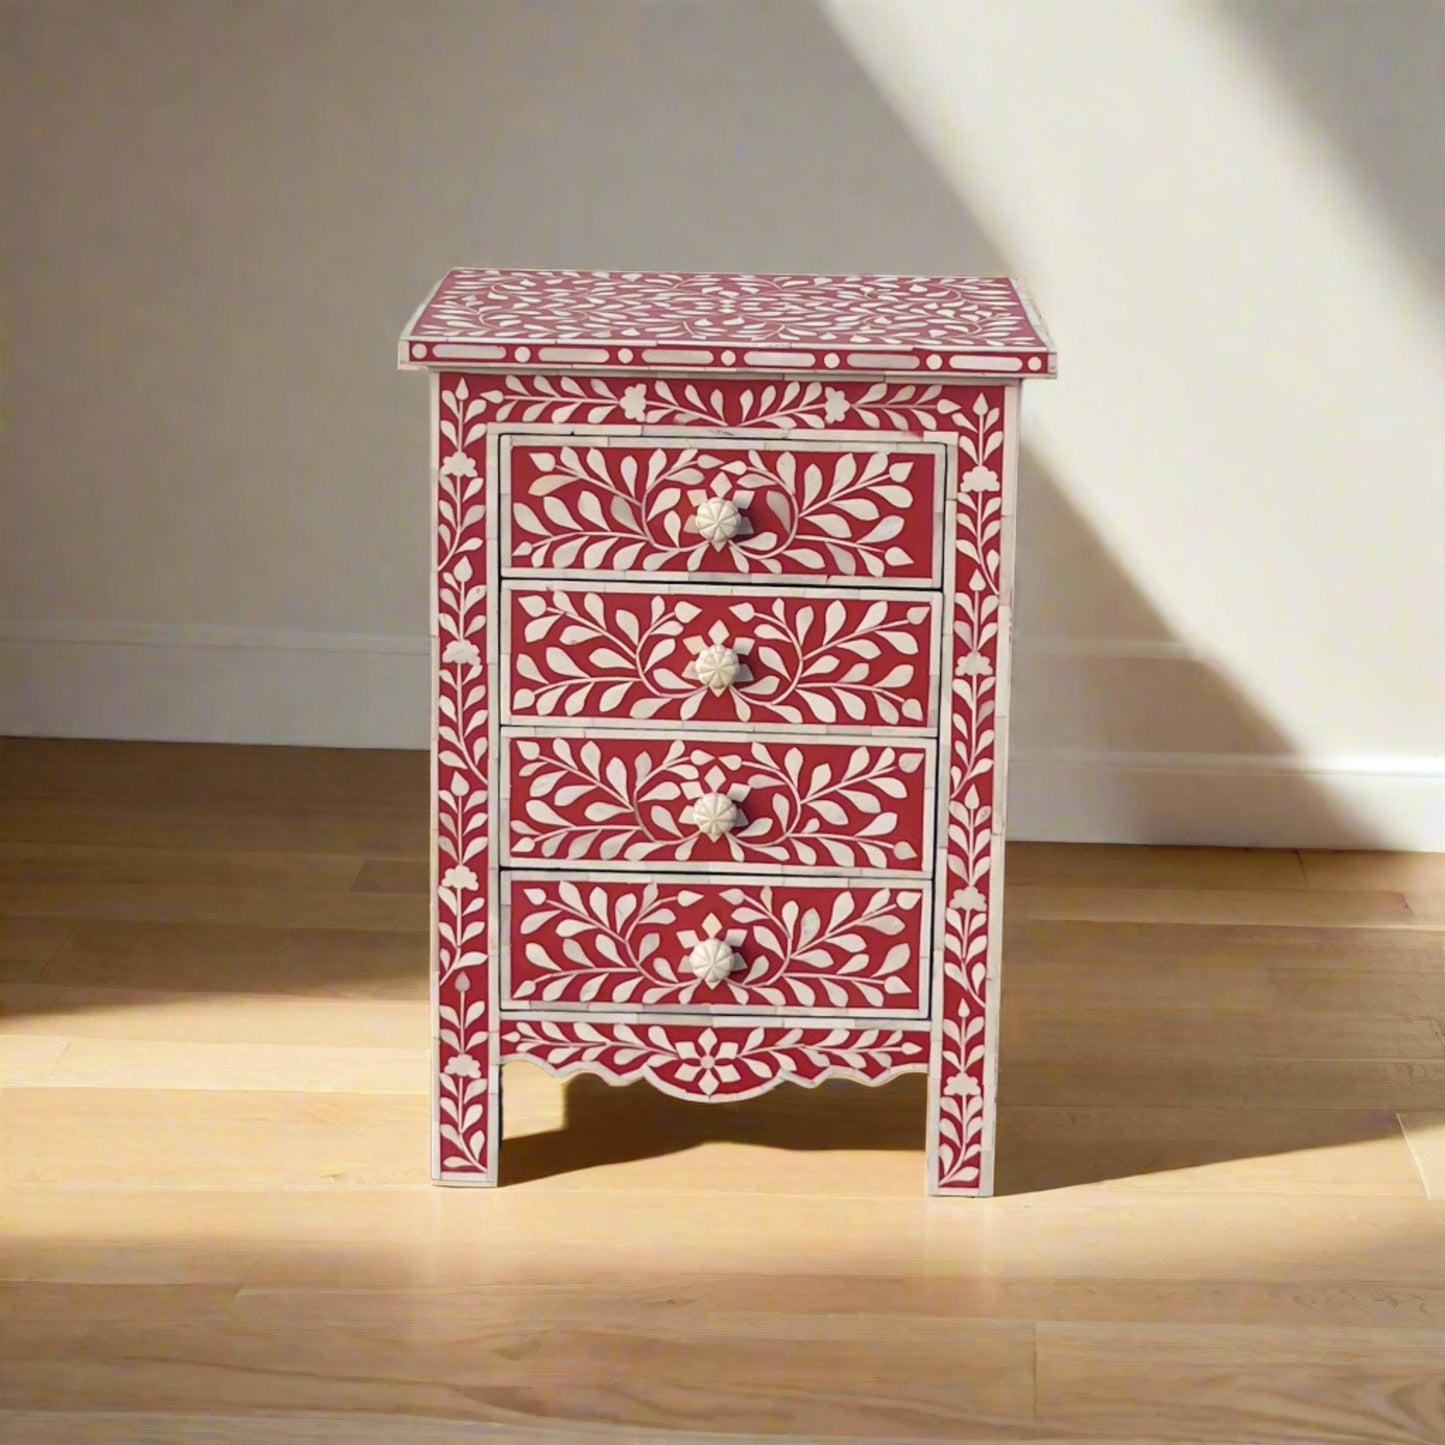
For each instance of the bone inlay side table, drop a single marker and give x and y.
(720, 627)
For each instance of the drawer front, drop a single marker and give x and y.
(621, 801)
(852, 513)
(731, 658)
(714, 944)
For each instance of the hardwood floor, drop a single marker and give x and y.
(1221, 1157)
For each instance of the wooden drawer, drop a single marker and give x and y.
(850, 513)
(619, 800)
(716, 944)
(750, 658)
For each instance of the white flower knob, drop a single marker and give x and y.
(716, 667)
(714, 814)
(717, 519)
(712, 960)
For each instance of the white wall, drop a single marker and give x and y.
(1232, 544)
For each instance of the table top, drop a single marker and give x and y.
(689, 321)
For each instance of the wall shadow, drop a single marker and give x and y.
(1372, 79)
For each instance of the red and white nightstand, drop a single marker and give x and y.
(722, 600)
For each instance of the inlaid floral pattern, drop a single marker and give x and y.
(626, 800)
(610, 318)
(817, 947)
(766, 659)
(725, 509)
(471, 1035)
(463, 792)
(970, 839)
(716, 1062)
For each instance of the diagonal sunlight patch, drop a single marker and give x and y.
(1248, 404)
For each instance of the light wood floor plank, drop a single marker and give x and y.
(1277, 907)
(1244, 1081)
(204, 903)
(92, 1063)
(24, 1427)
(240, 958)
(29, 1059)
(1329, 1153)
(1108, 865)
(924, 1378)
(393, 875)
(214, 1018)
(1247, 1385)
(84, 866)
(1425, 1136)
(266, 827)
(1427, 908)
(30, 941)
(217, 775)
(317, 1428)
(1290, 972)
(1354, 871)
(1037, 1028)
(216, 1139)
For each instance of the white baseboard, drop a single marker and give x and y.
(242, 685)
(1221, 799)
(214, 685)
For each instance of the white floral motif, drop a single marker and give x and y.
(709, 1061)
(497, 305)
(459, 464)
(787, 406)
(459, 650)
(831, 512)
(462, 800)
(608, 808)
(859, 659)
(968, 899)
(463, 1083)
(970, 831)
(720, 1062)
(801, 946)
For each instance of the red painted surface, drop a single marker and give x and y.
(617, 942)
(856, 514)
(795, 659)
(630, 801)
(716, 1062)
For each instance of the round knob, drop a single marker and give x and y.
(717, 519)
(714, 814)
(716, 667)
(712, 960)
